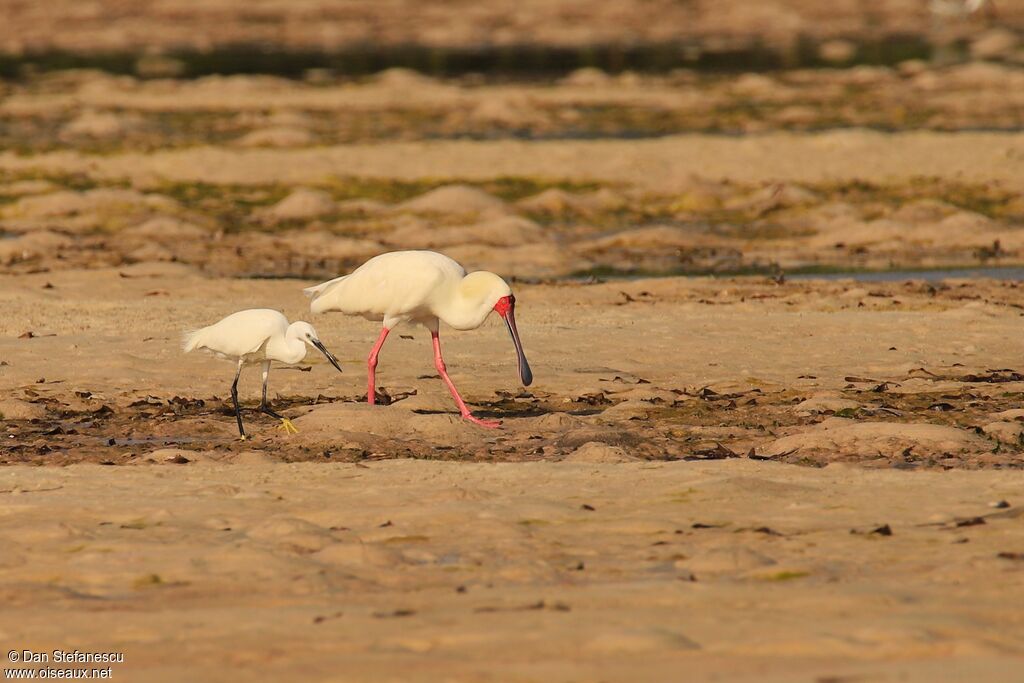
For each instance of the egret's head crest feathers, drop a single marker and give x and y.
(305, 333)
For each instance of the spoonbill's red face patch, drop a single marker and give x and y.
(506, 308)
(505, 305)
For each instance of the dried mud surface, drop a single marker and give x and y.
(909, 374)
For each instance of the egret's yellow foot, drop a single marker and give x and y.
(287, 426)
(243, 437)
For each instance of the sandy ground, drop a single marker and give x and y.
(740, 571)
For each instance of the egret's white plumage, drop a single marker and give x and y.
(421, 287)
(257, 335)
(955, 8)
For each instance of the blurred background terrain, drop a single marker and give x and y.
(651, 34)
(539, 139)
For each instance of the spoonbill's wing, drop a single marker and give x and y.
(396, 284)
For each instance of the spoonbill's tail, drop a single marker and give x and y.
(321, 301)
(317, 290)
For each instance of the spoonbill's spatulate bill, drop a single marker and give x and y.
(258, 335)
(421, 287)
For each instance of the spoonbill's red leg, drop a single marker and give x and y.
(371, 368)
(439, 364)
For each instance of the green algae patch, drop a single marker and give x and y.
(785, 576)
(148, 581)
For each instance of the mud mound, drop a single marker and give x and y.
(923, 211)
(825, 403)
(362, 207)
(393, 422)
(756, 86)
(1006, 432)
(302, 204)
(242, 84)
(454, 199)
(510, 111)
(277, 136)
(554, 202)
(785, 195)
(532, 260)
(587, 77)
(398, 77)
(14, 409)
(31, 246)
(658, 237)
(996, 43)
(288, 118)
(596, 452)
(149, 252)
(962, 226)
(168, 228)
(502, 231)
(98, 125)
(324, 244)
(101, 208)
(26, 187)
(846, 437)
(101, 200)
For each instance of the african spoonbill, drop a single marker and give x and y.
(421, 287)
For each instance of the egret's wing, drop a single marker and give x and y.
(239, 334)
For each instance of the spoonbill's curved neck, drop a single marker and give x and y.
(463, 310)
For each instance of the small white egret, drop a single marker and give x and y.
(421, 287)
(957, 8)
(258, 335)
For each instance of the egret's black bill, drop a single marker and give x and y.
(327, 354)
(525, 373)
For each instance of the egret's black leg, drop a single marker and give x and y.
(286, 424)
(234, 399)
(264, 406)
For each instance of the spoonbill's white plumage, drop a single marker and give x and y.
(257, 335)
(421, 287)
